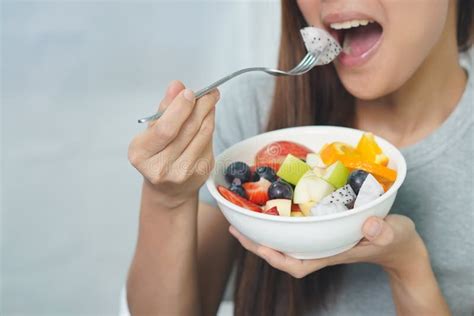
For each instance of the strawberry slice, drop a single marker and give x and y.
(237, 199)
(257, 192)
(272, 211)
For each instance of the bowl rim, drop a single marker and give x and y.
(401, 174)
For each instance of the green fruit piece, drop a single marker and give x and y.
(311, 188)
(336, 174)
(292, 169)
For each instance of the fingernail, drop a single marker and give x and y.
(374, 229)
(218, 94)
(188, 95)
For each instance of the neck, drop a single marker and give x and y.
(423, 103)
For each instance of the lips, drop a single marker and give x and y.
(360, 40)
(359, 36)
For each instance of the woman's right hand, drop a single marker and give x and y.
(174, 154)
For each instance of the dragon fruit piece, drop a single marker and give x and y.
(370, 190)
(318, 40)
(336, 202)
(325, 208)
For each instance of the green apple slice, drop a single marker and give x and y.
(336, 174)
(311, 188)
(292, 169)
(283, 206)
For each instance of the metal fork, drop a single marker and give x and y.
(306, 64)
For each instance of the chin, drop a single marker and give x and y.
(378, 79)
(363, 87)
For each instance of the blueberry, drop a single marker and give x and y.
(265, 172)
(356, 179)
(238, 189)
(239, 170)
(280, 190)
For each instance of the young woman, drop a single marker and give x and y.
(399, 77)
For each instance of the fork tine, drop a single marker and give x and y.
(302, 63)
(306, 64)
(309, 62)
(309, 65)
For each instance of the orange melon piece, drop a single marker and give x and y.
(354, 162)
(332, 152)
(370, 150)
(386, 184)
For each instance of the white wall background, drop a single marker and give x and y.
(75, 77)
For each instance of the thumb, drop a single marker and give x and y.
(377, 231)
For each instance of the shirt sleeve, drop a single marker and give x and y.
(240, 114)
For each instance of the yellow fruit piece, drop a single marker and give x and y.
(297, 214)
(334, 151)
(370, 150)
(306, 207)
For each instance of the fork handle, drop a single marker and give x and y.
(214, 85)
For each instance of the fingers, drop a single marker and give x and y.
(198, 119)
(378, 234)
(377, 231)
(205, 163)
(202, 137)
(174, 88)
(179, 145)
(382, 232)
(164, 131)
(191, 156)
(246, 243)
(295, 267)
(274, 258)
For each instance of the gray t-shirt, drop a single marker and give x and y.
(436, 195)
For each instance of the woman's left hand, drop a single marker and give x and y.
(392, 243)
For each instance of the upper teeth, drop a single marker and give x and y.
(349, 24)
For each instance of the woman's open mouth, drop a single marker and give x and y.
(359, 40)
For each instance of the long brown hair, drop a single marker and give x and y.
(317, 98)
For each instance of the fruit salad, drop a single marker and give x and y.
(289, 179)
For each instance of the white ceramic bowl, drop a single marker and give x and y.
(304, 237)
